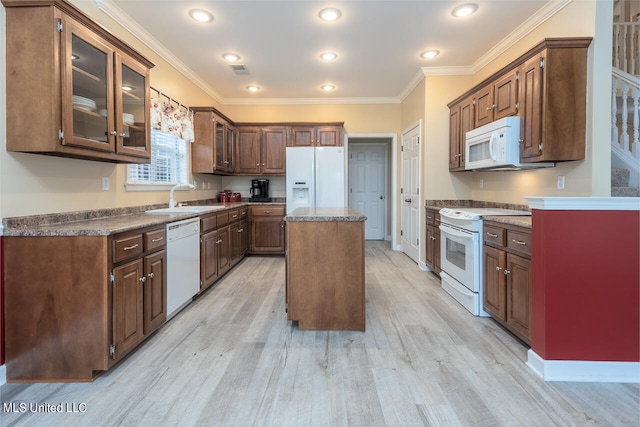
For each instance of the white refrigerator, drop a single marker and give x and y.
(315, 177)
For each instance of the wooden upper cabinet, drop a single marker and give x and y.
(497, 100)
(461, 120)
(316, 136)
(546, 87)
(454, 138)
(273, 150)
(261, 150)
(65, 86)
(213, 149)
(302, 136)
(248, 150)
(553, 87)
(531, 104)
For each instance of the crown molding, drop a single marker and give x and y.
(542, 15)
(546, 12)
(113, 11)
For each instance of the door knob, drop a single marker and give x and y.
(407, 200)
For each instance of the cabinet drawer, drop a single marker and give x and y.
(234, 215)
(126, 246)
(222, 219)
(494, 235)
(208, 223)
(518, 241)
(244, 213)
(155, 239)
(267, 211)
(433, 217)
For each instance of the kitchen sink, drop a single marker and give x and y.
(184, 209)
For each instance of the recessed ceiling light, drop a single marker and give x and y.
(430, 54)
(253, 88)
(328, 56)
(329, 14)
(127, 88)
(327, 88)
(231, 57)
(74, 57)
(464, 10)
(201, 15)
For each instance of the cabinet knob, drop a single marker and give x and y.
(498, 268)
(150, 275)
(143, 279)
(506, 272)
(113, 133)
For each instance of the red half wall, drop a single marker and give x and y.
(586, 285)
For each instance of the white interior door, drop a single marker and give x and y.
(410, 193)
(368, 186)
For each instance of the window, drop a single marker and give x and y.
(169, 164)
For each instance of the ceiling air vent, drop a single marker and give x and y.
(239, 69)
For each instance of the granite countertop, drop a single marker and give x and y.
(105, 222)
(325, 214)
(521, 221)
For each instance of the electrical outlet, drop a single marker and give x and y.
(561, 182)
(481, 183)
(208, 186)
(105, 183)
(195, 184)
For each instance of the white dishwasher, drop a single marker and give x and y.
(183, 263)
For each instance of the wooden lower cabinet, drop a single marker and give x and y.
(267, 229)
(507, 277)
(82, 301)
(239, 240)
(208, 258)
(433, 240)
(223, 243)
(325, 287)
(127, 307)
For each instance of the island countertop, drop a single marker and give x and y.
(325, 214)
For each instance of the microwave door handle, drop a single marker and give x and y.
(447, 230)
(492, 145)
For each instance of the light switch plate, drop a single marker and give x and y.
(105, 183)
(561, 182)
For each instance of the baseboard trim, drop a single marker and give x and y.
(584, 371)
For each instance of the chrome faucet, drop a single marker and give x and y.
(172, 202)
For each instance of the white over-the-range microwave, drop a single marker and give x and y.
(496, 146)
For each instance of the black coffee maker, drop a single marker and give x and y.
(260, 190)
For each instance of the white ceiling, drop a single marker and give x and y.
(378, 43)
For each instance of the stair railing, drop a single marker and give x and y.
(626, 93)
(626, 49)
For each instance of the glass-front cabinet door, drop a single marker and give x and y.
(132, 108)
(230, 147)
(87, 90)
(218, 137)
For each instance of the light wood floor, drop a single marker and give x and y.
(231, 358)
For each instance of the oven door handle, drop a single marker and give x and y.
(452, 232)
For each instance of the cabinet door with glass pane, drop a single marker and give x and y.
(87, 90)
(131, 107)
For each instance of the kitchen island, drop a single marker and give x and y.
(325, 268)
